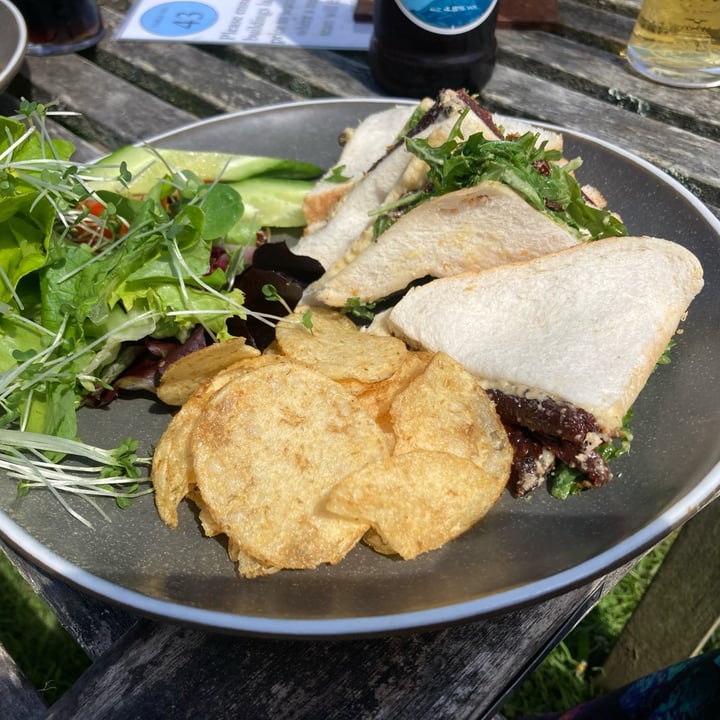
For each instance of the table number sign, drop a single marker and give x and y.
(327, 24)
(178, 19)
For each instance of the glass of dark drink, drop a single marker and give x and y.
(60, 26)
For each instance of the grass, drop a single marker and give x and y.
(568, 676)
(29, 631)
(52, 661)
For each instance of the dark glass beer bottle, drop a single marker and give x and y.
(419, 47)
(61, 26)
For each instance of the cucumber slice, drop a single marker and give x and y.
(273, 202)
(147, 166)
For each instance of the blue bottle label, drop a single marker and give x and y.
(447, 17)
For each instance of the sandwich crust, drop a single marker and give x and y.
(362, 147)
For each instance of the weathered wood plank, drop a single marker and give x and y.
(18, 699)
(596, 24)
(607, 77)
(159, 671)
(297, 71)
(680, 608)
(119, 113)
(314, 73)
(186, 76)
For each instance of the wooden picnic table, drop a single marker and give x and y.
(572, 75)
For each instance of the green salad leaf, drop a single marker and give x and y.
(86, 268)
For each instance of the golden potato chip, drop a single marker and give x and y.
(207, 521)
(417, 501)
(445, 409)
(354, 387)
(373, 539)
(377, 397)
(172, 472)
(272, 349)
(271, 445)
(248, 566)
(329, 436)
(252, 363)
(183, 376)
(336, 348)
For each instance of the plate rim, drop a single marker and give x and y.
(494, 604)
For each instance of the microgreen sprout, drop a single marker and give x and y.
(51, 365)
(271, 293)
(307, 320)
(183, 267)
(359, 309)
(24, 456)
(336, 175)
(31, 458)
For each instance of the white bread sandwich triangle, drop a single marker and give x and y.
(469, 229)
(576, 330)
(352, 214)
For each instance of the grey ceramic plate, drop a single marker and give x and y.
(522, 552)
(13, 39)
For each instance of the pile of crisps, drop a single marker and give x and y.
(329, 437)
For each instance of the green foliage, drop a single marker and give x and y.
(568, 675)
(46, 654)
(82, 272)
(522, 163)
(361, 311)
(336, 175)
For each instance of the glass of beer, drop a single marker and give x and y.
(677, 42)
(60, 26)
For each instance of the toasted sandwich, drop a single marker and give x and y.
(389, 178)
(468, 229)
(466, 201)
(362, 147)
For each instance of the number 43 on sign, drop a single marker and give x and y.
(327, 24)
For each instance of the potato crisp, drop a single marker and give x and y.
(185, 375)
(336, 347)
(330, 437)
(265, 459)
(416, 501)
